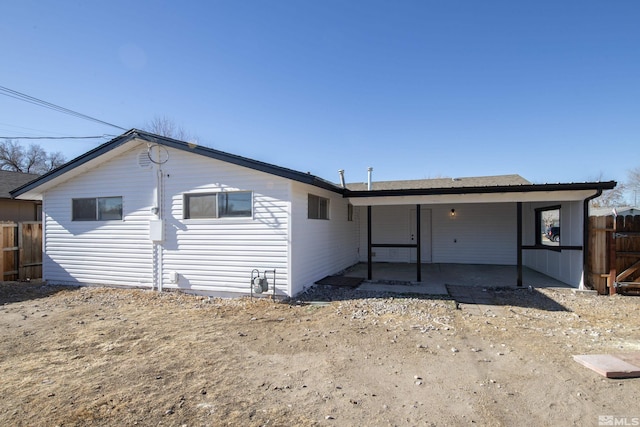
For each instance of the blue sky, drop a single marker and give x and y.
(549, 90)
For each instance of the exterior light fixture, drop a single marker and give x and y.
(453, 213)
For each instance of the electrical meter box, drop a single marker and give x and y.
(156, 230)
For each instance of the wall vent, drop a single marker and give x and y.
(143, 160)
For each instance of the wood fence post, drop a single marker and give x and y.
(613, 262)
(20, 249)
(1, 252)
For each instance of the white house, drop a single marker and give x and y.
(150, 211)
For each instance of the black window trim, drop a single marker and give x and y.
(318, 216)
(185, 205)
(97, 208)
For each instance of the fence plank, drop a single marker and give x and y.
(20, 250)
(597, 268)
(9, 247)
(1, 252)
(30, 250)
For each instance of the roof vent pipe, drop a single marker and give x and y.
(341, 172)
(369, 170)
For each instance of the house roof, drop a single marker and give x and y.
(504, 193)
(608, 210)
(502, 188)
(481, 181)
(10, 180)
(84, 161)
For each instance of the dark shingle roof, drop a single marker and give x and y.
(10, 180)
(482, 181)
(132, 134)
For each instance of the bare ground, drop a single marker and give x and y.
(98, 356)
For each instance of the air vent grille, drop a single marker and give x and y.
(143, 160)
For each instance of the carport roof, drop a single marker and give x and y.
(478, 193)
(480, 181)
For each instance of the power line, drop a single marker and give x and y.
(32, 100)
(57, 137)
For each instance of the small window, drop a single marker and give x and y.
(97, 209)
(548, 226)
(232, 204)
(318, 207)
(200, 206)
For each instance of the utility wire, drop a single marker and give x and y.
(56, 137)
(32, 100)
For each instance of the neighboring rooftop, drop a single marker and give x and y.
(481, 181)
(10, 180)
(608, 210)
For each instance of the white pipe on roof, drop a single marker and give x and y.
(369, 170)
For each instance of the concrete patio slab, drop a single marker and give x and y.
(435, 276)
(418, 288)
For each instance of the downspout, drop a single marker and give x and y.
(585, 236)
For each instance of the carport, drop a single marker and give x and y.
(436, 277)
(475, 221)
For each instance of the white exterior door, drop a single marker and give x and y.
(425, 234)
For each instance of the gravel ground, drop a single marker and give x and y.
(333, 356)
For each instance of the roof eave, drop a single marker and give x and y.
(607, 185)
(180, 145)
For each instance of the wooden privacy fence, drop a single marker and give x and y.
(614, 254)
(21, 250)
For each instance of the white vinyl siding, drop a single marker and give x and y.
(320, 248)
(564, 265)
(113, 252)
(208, 255)
(479, 233)
(217, 255)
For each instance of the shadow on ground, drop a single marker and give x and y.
(472, 295)
(519, 297)
(12, 292)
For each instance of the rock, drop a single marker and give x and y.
(329, 417)
(454, 350)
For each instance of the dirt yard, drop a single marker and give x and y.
(106, 357)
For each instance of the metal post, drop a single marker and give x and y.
(419, 245)
(369, 254)
(519, 234)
